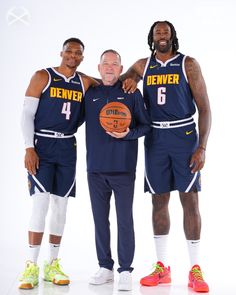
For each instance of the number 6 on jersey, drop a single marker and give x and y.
(161, 95)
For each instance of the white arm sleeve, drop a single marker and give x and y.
(27, 120)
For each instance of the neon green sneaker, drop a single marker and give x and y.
(54, 274)
(30, 276)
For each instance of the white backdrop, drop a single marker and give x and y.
(32, 33)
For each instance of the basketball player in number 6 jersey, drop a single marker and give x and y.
(174, 153)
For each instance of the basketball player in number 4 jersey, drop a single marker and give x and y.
(174, 153)
(51, 116)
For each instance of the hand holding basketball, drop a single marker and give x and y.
(119, 134)
(115, 117)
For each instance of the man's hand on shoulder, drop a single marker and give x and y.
(129, 85)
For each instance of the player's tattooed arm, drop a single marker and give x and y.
(199, 91)
(133, 75)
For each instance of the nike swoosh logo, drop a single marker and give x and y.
(152, 67)
(56, 80)
(188, 132)
(120, 98)
(95, 99)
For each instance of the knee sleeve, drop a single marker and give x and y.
(58, 215)
(40, 203)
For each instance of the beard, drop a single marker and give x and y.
(161, 48)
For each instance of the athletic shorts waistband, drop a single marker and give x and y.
(172, 124)
(52, 134)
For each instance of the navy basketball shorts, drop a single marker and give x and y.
(57, 167)
(167, 158)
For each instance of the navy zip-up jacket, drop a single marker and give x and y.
(104, 153)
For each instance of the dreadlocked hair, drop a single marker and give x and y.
(175, 42)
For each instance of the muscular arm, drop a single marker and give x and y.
(37, 83)
(133, 75)
(33, 92)
(136, 71)
(199, 91)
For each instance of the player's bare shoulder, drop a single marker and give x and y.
(195, 79)
(192, 67)
(37, 83)
(41, 76)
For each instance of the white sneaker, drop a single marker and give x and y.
(125, 281)
(103, 276)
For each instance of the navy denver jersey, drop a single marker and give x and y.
(105, 153)
(166, 89)
(60, 103)
(173, 139)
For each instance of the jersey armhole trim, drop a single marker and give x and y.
(49, 81)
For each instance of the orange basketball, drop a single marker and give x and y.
(115, 117)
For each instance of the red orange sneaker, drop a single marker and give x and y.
(161, 275)
(196, 280)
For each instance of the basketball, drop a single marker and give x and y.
(115, 117)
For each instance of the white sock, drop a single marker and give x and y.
(161, 242)
(194, 250)
(34, 253)
(53, 251)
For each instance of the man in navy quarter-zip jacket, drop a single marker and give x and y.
(111, 165)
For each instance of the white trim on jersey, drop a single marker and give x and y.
(183, 68)
(172, 124)
(39, 184)
(63, 76)
(175, 126)
(177, 121)
(150, 187)
(192, 182)
(82, 84)
(68, 193)
(49, 81)
(146, 66)
(54, 134)
(163, 64)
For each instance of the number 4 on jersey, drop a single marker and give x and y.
(66, 110)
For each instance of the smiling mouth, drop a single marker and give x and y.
(162, 43)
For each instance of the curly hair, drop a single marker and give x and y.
(175, 42)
